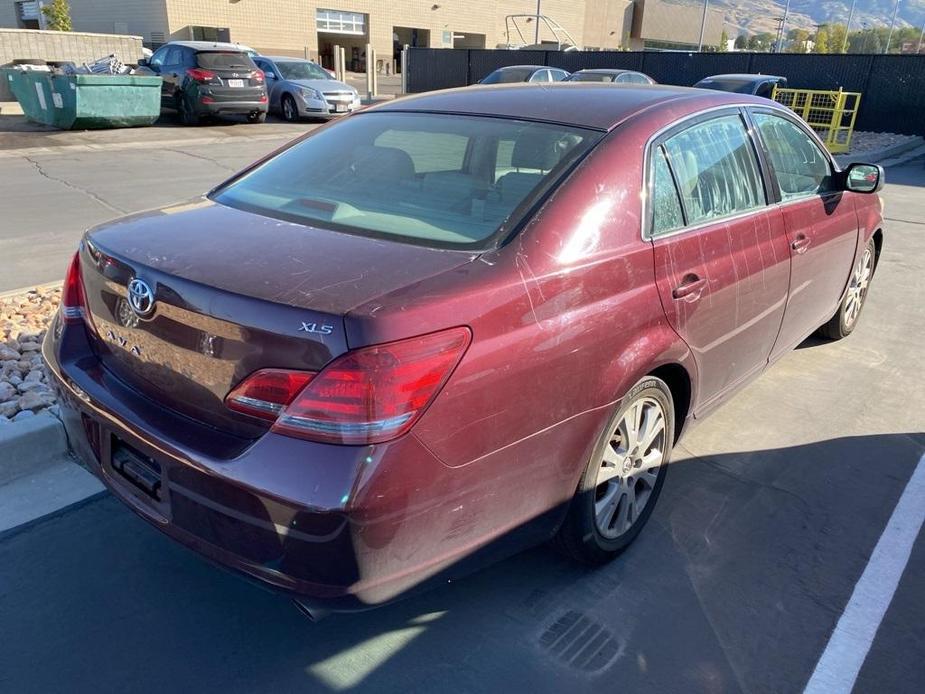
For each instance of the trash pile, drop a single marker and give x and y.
(108, 65)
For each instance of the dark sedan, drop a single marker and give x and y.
(452, 326)
(759, 85)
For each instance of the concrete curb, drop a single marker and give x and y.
(875, 156)
(31, 445)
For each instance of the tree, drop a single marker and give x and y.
(58, 15)
(723, 42)
(741, 42)
(798, 39)
(821, 42)
(836, 38)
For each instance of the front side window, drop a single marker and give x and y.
(432, 179)
(800, 167)
(716, 169)
(158, 58)
(540, 76)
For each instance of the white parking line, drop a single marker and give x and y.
(844, 655)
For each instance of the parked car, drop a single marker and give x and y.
(300, 88)
(203, 79)
(759, 85)
(524, 73)
(607, 75)
(451, 326)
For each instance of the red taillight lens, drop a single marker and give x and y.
(377, 393)
(72, 293)
(200, 75)
(370, 395)
(263, 98)
(266, 392)
(258, 76)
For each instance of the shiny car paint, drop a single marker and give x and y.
(565, 315)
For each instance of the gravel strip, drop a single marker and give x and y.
(866, 142)
(24, 389)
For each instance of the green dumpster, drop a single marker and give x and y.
(86, 101)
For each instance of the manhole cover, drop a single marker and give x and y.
(579, 642)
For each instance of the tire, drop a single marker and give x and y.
(845, 320)
(187, 115)
(289, 109)
(586, 535)
(257, 117)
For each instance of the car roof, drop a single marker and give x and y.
(286, 59)
(520, 67)
(605, 71)
(744, 77)
(582, 104)
(211, 45)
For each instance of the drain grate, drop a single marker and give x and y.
(580, 642)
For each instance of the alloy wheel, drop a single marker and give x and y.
(629, 467)
(857, 288)
(288, 109)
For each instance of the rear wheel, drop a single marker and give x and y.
(845, 319)
(290, 110)
(187, 115)
(624, 476)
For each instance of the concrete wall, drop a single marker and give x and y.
(674, 22)
(57, 45)
(608, 24)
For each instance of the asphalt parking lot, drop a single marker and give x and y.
(770, 515)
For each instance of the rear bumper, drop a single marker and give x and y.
(338, 527)
(230, 107)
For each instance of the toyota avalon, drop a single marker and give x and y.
(452, 326)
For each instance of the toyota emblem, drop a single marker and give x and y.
(140, 297)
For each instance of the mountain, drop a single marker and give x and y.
(756, 16)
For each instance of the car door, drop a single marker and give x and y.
(171, 73)
(821, 224)
(722, 263)
(156, 65)
(273, 80)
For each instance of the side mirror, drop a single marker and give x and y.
(142, 62)
(863, 178)
(269, 75)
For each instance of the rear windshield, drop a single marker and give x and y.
(592, 77)
(432, 179)
(301, 71)
(224, 60)
(737, 86)
(510, 75)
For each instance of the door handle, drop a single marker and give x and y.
(690, 289)
(801, 243)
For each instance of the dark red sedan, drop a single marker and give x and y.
(452, 326)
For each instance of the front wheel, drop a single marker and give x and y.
(289, 109)
(624, 476)
(843, 323)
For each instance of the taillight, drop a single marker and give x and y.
(257, 75)
(200, 75)
(266, 392)
(72, 293)
(369, 395)
(263, 98)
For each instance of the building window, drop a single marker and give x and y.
(28, 14)
(338, 22)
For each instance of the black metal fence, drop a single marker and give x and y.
(892, 86)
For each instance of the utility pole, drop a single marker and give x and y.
(703, 24)
(921, 38)
(844, 45)
(892, 24)
(536, 36)
(783, 28)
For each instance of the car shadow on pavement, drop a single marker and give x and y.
(734, 585)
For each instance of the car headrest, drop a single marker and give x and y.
(372, 161)
(538, 149)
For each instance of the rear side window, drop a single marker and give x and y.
(716, 169)
(224, 60)
(799, 165)
(666, 205)
(432, 179)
